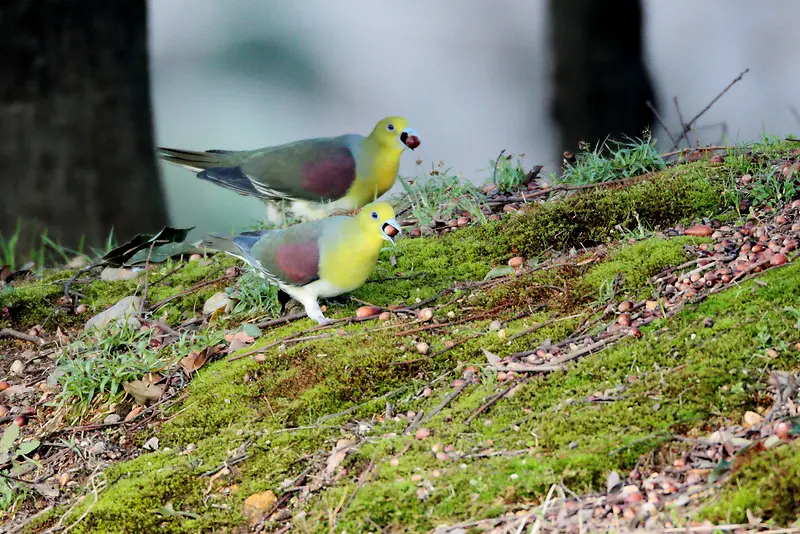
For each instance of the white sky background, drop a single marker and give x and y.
(470, 75)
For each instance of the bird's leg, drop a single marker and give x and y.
(314, 312)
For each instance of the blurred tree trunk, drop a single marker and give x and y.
(76, 137)
(601, 82)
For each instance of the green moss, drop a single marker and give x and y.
(767, 486)
(688, 377)
(593, 217)
(641, 261)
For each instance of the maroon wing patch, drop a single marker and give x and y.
(330, 176)
(298, 262)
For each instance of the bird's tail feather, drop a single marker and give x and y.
(222, 244)
(193, 160)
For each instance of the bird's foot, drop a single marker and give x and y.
(314, 312)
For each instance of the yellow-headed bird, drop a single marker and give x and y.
(316, 259)
(316, 176)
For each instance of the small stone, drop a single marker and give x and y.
(425, 314)
(422, 494)
(783, 429)
(771, 353)
(624, 306)
(80, 309)
(699, 230)
(151, 444)
(427, 392)
(422, 433)
(516, 261)
(217, 301)
(258, 504)
(651, 305)
(772, 442)
(385, 316)
(422, 347)
(624, 320)
(449, 344)
(111, 418)
(751, 419)
(463, 221)
(495, 325)
(124, 311)
(17, 368)
(100, 448)
(416, 478)
(442, 457)
(747, 178)
(113, 274)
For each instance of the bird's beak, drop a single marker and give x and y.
(410, 138)
(390, 230)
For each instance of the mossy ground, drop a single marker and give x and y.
(688, 376)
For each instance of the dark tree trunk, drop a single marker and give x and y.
(601, 82)
(76, 137)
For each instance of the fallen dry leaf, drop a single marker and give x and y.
(16, 389)
(143, 391)
(257, 505)
(491, 357)
(343, 446)
(238, 341)
(196, 360)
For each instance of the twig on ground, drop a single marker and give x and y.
(192, 289)
(143, 304)
(414, 423)
(9, 332)
(441, 406)
(537, 326)
(361, 480)
(556, 363)
(492, 401)
(281, 320)
(357, 406)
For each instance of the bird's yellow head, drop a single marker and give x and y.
(377, 219)
(394, 133)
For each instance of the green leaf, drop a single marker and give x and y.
(122, 254)
(9, 437)
(497, 272)
(27, 447)
(722, 467)
(251, 330)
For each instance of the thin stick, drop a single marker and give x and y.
(688, 126)
(537, 326)
(414, 423)
(491, 402)
(9, 332)
(661, 122)
(556, 363)
(143, 304)
(684, 126)
(192, 289)
(282, 320)
(447, 400)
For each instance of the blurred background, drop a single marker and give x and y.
(473, 77)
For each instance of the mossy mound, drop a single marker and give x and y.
(270, 424)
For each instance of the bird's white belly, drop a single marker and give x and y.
(317, 289)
